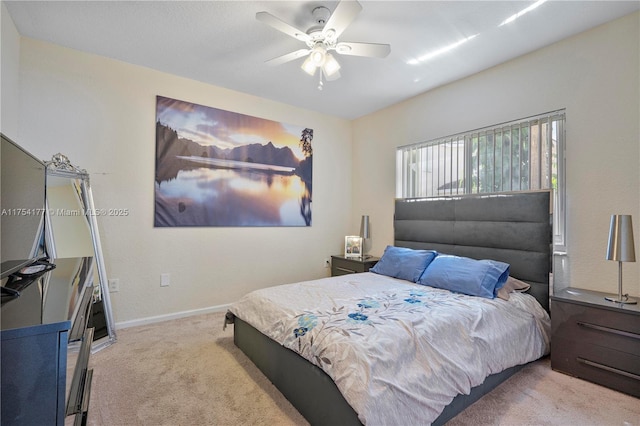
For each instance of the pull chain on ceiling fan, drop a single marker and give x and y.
(322, 38)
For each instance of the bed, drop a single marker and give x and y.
(396, 380)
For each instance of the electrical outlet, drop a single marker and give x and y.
(165, 280)
(327, 262)
(114, 285)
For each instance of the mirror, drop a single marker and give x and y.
(72, 231)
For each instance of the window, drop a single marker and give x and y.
(521, 155)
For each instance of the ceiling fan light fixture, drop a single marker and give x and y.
(330, 65)
(318, 54)
(309, 66)
(319, 58)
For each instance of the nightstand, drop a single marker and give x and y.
(596, 340)
(341, 265)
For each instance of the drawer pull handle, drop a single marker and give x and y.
(607, 368)
(348, 271)
(609, 330)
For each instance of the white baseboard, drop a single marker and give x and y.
(167, 317)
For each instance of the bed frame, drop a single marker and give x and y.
(512, 228)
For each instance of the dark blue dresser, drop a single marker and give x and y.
(45, 346)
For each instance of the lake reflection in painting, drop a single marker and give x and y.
(220, 168)
(229, 197)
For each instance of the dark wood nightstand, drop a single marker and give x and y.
(596, 340)
(341, 265)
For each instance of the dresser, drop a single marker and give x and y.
(341, 265)
(45, 346)
(596, 340)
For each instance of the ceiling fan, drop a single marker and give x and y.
(322, 38)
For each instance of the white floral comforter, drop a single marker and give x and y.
(399, 352)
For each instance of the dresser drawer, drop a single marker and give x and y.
(601, 327)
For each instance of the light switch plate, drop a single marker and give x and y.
(165, 280)
(114, 285)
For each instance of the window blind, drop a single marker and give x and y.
(521, 155)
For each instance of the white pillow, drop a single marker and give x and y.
(512, 284)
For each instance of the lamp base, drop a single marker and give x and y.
(623, 299)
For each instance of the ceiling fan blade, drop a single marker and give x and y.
(372, 50)
(345, 12)
(282, 26)
(288, 57)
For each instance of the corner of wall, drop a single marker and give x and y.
(9, 74)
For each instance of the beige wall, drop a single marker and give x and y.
(101, 114)
(595, 76)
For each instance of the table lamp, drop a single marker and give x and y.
(621, 249)
(364, 233)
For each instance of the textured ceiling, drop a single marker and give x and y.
(221, 42)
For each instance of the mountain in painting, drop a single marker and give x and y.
(169, 145)
(263, 154)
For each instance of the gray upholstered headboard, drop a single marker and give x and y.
(512, 228)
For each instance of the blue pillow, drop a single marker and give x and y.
(481, 278)
(404, 263)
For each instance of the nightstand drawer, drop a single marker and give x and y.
(598, 364)
(597, 326)
(342, 266)
(340, 270)
(596, 340)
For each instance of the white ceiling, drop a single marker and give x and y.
(221, 42)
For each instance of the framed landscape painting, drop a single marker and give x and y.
(221, 168)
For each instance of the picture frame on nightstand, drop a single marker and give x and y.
(352, 246)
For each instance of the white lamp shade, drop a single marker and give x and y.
(330, 66)
(309, 66)
(621, 246)
(318, 55)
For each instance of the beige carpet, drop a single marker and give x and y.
(188, 372)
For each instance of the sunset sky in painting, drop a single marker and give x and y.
(225, 129)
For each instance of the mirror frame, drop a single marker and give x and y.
(61, 167)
